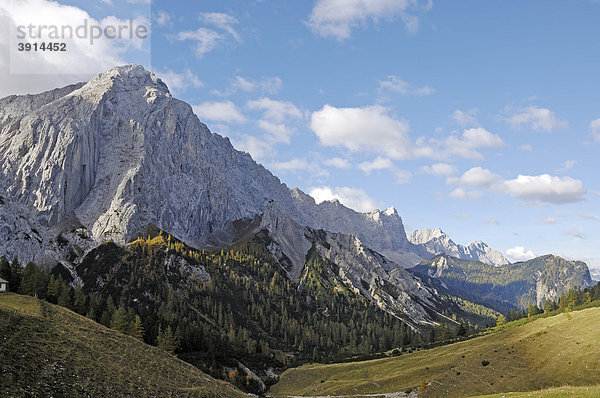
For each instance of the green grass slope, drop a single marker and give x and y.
(562, 350)
(46, 350)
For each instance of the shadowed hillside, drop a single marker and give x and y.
(47, 350)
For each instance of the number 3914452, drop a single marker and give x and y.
(42, 46)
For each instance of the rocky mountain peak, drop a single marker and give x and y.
(119, 153)
(435, 242)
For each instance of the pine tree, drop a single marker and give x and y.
(5, 269)
(79, 301)
(138, 328)
(167, 340)
(14, 283)
(64, 300)
(119, 320)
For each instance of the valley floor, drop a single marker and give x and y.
(551, 352)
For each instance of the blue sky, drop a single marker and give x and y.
(477, 117)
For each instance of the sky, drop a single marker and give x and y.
(480, 118)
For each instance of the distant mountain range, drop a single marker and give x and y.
(511, 286)
(437, 242)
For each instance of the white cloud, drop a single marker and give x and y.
(492, 221)
(377, 164)
(222, 21)
(43, 70)
(401, 176)
(257, 148)
(275, 114)
(466, 119)
(292, 164)
(337, 18)
(225, 111)
(369, 129)
(180, 82)
(525, 148)
(478, 177)
(269, 85)
(353, 198)
(538, 119)
(463, 194)
(338, 163)
(207, 39)
(467, 146)
(394, 83)
(546, 189)
(519, 253)
(595, 129)
(567, 165)
(440, 169)
(276, 111)
(276, 132)
(162, 18)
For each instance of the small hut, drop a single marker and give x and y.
(3, 285)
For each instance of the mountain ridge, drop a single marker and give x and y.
(436, 242)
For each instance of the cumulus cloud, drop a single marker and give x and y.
(369, 129)
(275, 115)
(258, 148)
(478, 177)
(337, 18)
(225, 111)
(338, 163)
(374, 129)
(546, 189)
(440, 169)
(519, 253)
(537, 119)
(395, 84)
(180, 82)
(353, 198)
(466, 145)
(595, 129)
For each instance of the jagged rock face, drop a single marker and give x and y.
(368, 272)
(118, 153)
(436, 242)
(361, 269)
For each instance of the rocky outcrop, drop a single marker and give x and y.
(435, 242)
